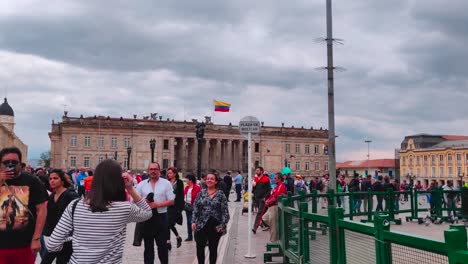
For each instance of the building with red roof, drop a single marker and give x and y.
(363, 167)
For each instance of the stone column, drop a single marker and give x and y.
(217, 161)
(158, 155)
(184, 148)
(194, 154)
(206, 155)
(228, 156)
(240, 152)
(172, 150)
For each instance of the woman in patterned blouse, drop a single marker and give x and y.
(210, 217)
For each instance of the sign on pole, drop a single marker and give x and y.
(247, 126)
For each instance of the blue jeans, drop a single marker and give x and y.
(357, 205)
(189, 224)
(238, 191)
(156, 229)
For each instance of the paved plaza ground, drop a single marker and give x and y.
(233, 246)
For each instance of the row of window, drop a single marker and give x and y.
(306, 149)
(101, 140)
(441, 172)
(88, 163)
(307, 166)
(441, 158)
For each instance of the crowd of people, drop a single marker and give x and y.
(81, 216)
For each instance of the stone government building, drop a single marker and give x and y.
(85, 141)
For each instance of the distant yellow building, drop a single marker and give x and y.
(434, 157)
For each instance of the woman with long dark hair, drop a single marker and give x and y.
(58, 201)
(174, 212)
(210, 218)
(98, 223)
(191, 191)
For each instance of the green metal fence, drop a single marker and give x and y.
(308, 235)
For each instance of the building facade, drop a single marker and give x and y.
(8, 137)
(434, 157)
(85, 141)
(373, 167)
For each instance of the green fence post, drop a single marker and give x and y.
(314, 206)
(351, 204)
(383, 252)
(283, 226)
(370, 201)
(333, 227)
(341, 246)
(416, 202)
(304, 234)
(456, 241)
(438, 203)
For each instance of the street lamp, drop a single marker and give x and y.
(200, 132)
(129, 153)
(368, 141)
(152, 146)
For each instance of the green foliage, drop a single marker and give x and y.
(45, 159)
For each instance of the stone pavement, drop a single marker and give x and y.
(232, 247)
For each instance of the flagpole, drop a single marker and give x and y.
(213, 112)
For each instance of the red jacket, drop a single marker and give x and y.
(277, 191)
(195, 190)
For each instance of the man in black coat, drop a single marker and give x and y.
(228, 180)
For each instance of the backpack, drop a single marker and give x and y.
(319, 186)
(339, 188)
(289, 185)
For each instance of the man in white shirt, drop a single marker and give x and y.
(156, 229)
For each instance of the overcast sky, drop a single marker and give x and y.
(406, 65)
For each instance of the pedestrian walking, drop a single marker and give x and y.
(261, 189)
(174, 212)
(210, 218)
(80, 177)
(238, 182)
(228, 181)
(271, 217)
(354, 187)
(98, 223)
(159, 194)
(191, 191)
(378, 186)
(366, 185)
(62, 194)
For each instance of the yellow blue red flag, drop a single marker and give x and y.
(221, 106)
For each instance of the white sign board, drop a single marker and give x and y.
(249, 124)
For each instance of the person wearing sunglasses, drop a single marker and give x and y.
(20, 242)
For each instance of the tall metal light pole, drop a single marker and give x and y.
(331, 101)
(368, 141)
(200, 132)
(152, 146)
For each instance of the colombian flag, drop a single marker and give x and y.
(221, 106)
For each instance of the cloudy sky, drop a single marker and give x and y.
(406, 65)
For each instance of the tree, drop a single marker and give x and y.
(45, 159)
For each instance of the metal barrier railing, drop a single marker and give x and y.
(307, 236)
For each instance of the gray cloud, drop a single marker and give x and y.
(405, 65)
